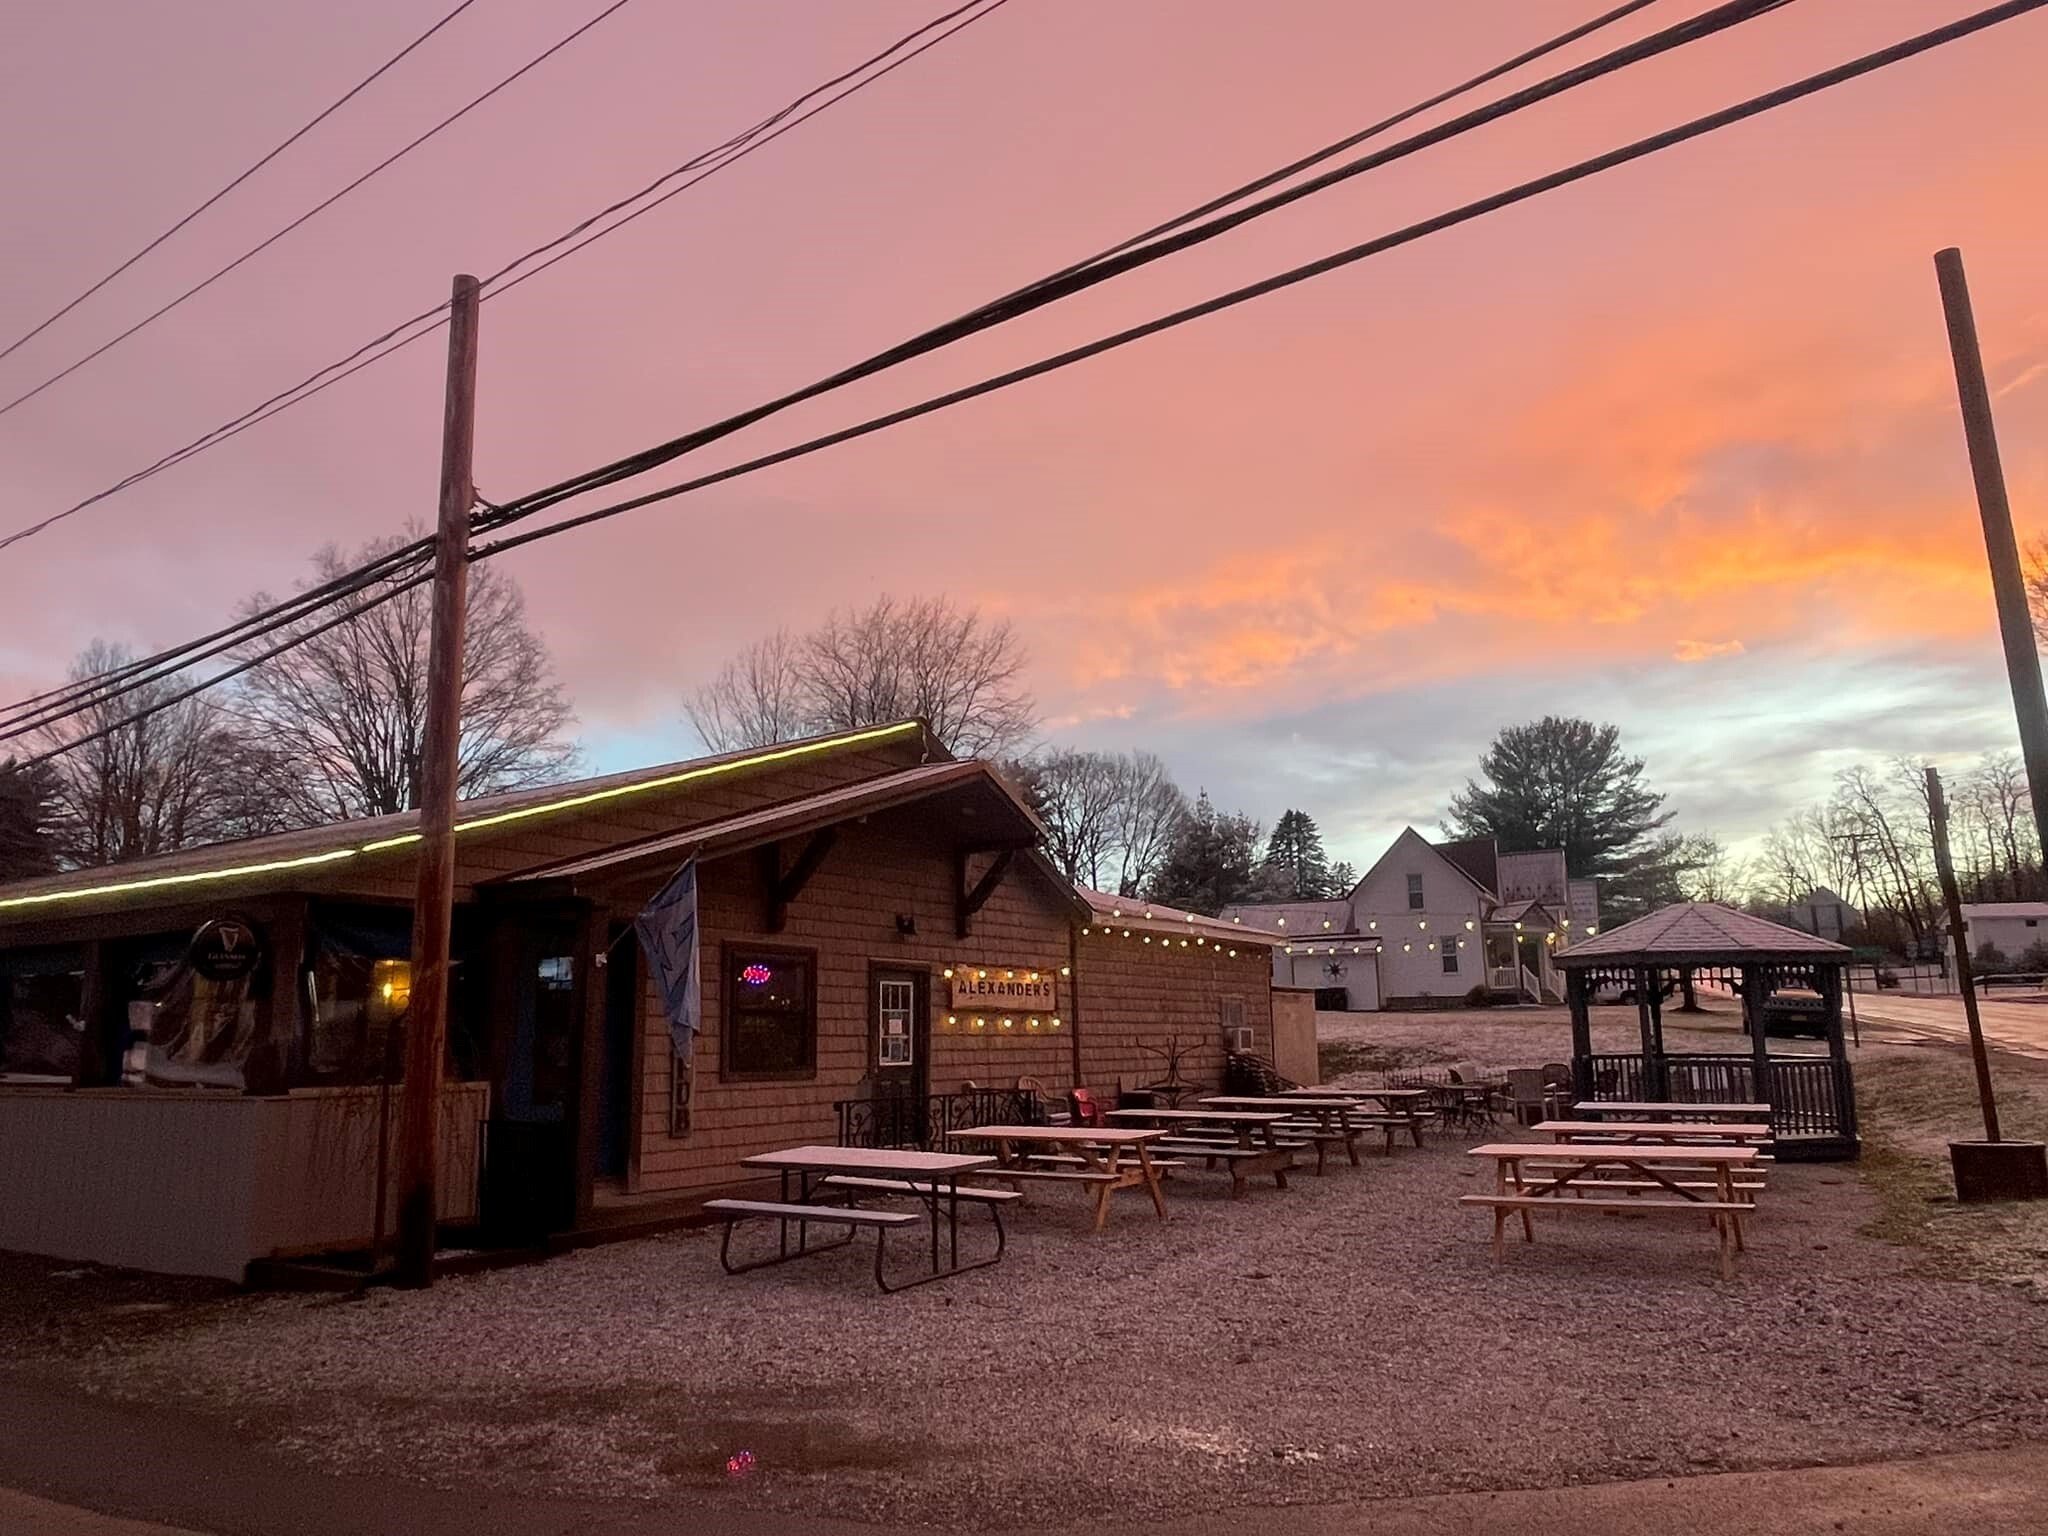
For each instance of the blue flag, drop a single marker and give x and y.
(668, 937)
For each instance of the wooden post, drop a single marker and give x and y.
(2008, 582)
(426, 1032)
(1577, 985)
(1756, 983)
(1937, 811)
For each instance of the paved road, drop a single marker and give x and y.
(2013, 1026)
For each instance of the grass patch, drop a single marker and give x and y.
(1911, 1104)
(1337, 1058)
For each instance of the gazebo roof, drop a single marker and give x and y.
(1698, 933)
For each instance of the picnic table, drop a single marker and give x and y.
(1330, 1121)
(1243, 1142)
(1733, 1133)
(1623, 1177)
(821, 1173)
(1596, 1109)
(1090, 1155)
(1409, 1106)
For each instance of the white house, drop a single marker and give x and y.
(2012, 927)
(1430, 922)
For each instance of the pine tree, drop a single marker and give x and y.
(1211, 862)
(1562, 783)
(1295, 866)
(27, 846)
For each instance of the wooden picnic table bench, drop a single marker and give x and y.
(1102, 1165)
(1324, 1122)
(1661, 1109)
(1669, 1131)
(1519, 1189)
(933, 1178)
(1244, 1143)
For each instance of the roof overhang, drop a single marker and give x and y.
(1008, 824)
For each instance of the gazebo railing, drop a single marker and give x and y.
(1809, 1096)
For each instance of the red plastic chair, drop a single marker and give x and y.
(1086, 1110)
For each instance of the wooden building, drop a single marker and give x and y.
(193, 1047)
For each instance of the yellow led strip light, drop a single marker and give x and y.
(274, 866)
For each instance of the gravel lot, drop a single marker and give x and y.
(1348, 1338)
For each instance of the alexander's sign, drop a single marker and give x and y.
(997, 986)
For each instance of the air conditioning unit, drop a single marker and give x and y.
(1239, 1038)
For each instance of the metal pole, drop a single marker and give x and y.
(2008, 583)
(433, 907)
(1937, 810)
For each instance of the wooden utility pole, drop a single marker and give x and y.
(1944, 866)
(426, 1029)
(2008, 583)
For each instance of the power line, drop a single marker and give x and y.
(428, 321)
(55, 705)
(311, 123)
(1707, 22)
(263, 245)
(1581, 170)
(1048, 290)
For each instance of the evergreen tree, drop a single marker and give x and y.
(1295, 867)
(1342, 878)
(1211, 862)
(1562, 783)
(27, 809)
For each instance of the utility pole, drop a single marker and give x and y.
(426, 1032)
(1944, 867)
(2008, 583)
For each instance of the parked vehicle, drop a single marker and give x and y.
(1795, 1012)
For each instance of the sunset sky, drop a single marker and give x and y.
(1675, 448)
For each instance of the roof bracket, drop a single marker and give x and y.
(973, 900)
(784, 888)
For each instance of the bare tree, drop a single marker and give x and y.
(756, 700)
(1075, 795)
(334, 728)
(1150, 808)
(894, 659)
(146, 787)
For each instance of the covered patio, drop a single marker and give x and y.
(1812, 1097)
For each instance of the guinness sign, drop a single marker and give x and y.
(225, 949)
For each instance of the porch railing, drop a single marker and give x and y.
(910, 1120)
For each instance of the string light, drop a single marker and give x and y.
(1066, 970)
(1468, 925)
(1055, 1022)
(949, 973)
(1422, 922)
(1373, 923)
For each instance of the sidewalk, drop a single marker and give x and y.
(1991, 1493)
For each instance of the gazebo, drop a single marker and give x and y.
(1812, 1099)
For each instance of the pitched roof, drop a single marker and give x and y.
(1150, 917)
(1477, 859)
(204, 867)
(752, 829)
(1703, 932)
(1289, 919)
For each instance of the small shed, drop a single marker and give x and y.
(1812, 1097)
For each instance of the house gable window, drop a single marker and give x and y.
(1450, 958)
(1415, 893)
(771, 1013)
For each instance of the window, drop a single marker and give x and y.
(771, 1013)
(1415, 893)
(895, 1005)
(42, 1024)
(1450, 958)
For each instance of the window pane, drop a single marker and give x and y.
(895, 1002)
(1415, 892)
(41, 1025)
(773, 1026)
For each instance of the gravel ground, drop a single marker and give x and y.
(1348, 1338)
